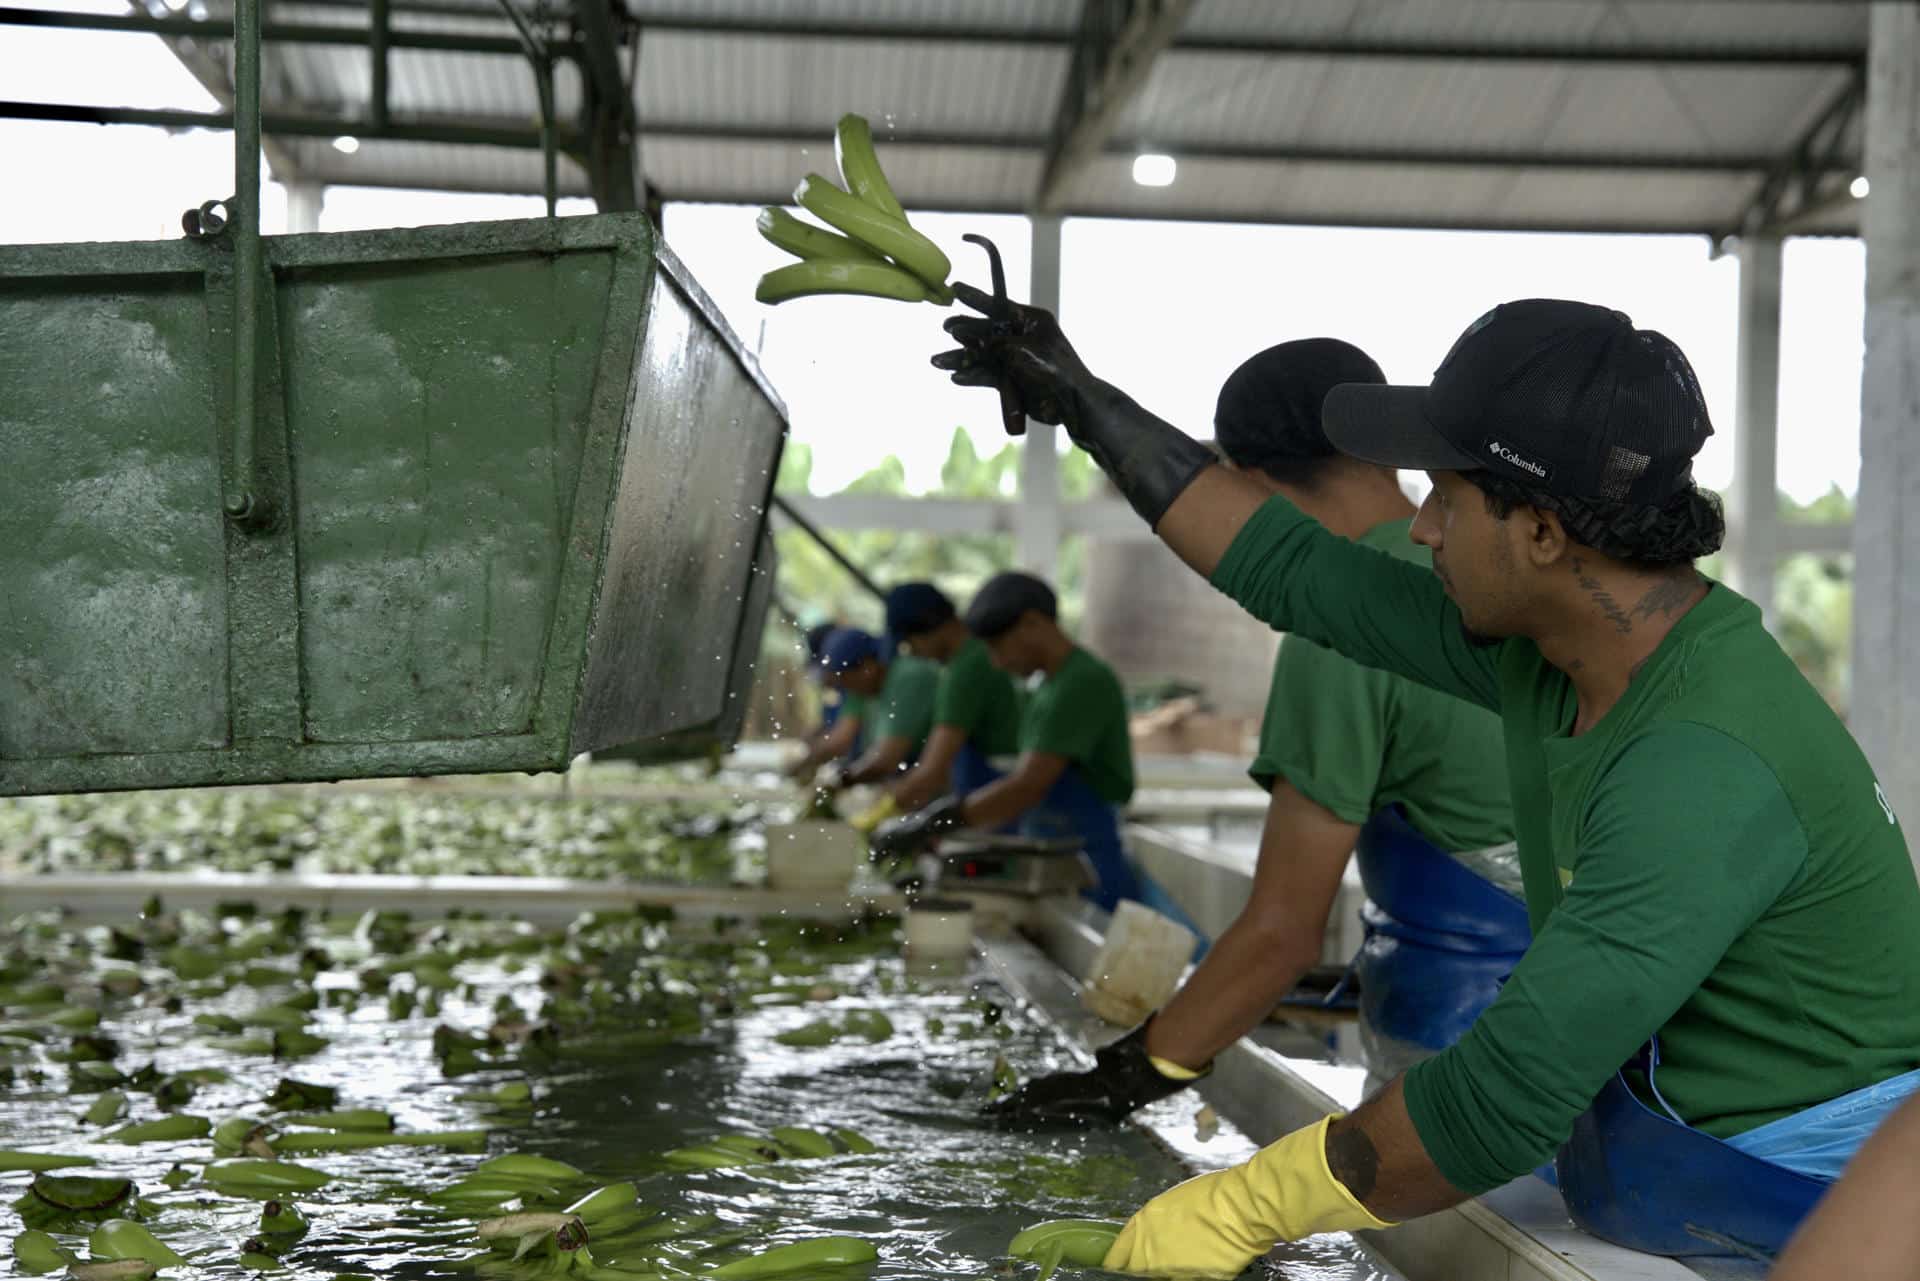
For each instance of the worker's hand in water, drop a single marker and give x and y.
(912, 833)
(1014, 344)
(874, 815)
(1124, 1077)
(1217, 1224)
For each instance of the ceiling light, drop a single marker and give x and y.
(1858, 187)
(346, 144)
(1152, 169)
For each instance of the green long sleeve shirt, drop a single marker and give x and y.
(1713, 862)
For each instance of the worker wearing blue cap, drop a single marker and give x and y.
(1076, 765)
(976, 709)
(842, 714)
(899, 692)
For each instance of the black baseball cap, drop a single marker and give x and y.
(1268, 411)
(1004, 598)
(1564, 397)
(914, 609)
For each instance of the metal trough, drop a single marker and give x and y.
(497, 503)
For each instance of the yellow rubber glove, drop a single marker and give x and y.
(868, 819)
(1217, 1224)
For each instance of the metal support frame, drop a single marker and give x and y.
(1799, 185)
(539, 56)
(800, 521)
(379, 42)
(1112, 54)
(1037, 547)
(1753, 502)
(218, 29)
(608, 123)
(300, 126)
(245, 507)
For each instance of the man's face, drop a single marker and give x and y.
(1474, 557)
(864, 678)
(1016, 651)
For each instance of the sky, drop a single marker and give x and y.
(1165, 310)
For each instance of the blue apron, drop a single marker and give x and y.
(972, 770)
(1439, 939)
(829, 714)
(1072, 808)
(1650, 1182)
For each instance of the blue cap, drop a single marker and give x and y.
(816, 639)
(846, 649)
(913, 608)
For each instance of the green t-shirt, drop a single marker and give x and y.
(904, 708)
(1355, 739)
(1713, 861)
(1080, 713)
(979, 699)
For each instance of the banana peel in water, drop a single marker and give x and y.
(34, 1252)
(125, 1239)
(1082, 1243)
(801, 1256)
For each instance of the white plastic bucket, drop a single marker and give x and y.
(1138, 966)
(813, 855)
(939, 927)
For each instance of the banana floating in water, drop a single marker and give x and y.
(879, 255)
(125, 1239)
(801, 1256)
(1081, 1242)
(34, 1252)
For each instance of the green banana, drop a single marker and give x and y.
(804, 240)
(1081, 1242)
(860, 166)
(804, 1142)
(168, 1129)
(351, 1119)
(112, 1270)
(281, 1224)
(249, 1176)
(825, 276)
(259, 1261)
(292, 1095)
(604, 1203)
(854, 1141)
(74, 1018)
(10, 1160)
(125, 1239)
(296, 1043)
(535, 1169)
(801, 1256)
(301, 1142)
(277, 1016)
(880, 232)
(243, 1134)
(177, 1177)
(34, 1252)
(811, 1034)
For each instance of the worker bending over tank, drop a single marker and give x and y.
(1076, 760)
(1717, 1004)
(842, 714)
(1353, 756)
(896, 693)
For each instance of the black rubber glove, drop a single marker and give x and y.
(1123, 1079)
(912, 833)
(1150, 460)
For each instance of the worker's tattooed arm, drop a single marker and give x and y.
(1376, 1154)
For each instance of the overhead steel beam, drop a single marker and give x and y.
(1450, 157)
(450, 133)
(962, 33)
(218, 29)
(1112, 56)
(607, 116)
(1798, 185)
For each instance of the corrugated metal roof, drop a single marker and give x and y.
(1522, 113)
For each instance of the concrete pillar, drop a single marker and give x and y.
(1886, 536)
(1039, 527)
(304, 203)
(1752, 507)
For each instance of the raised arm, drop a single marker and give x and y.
(1281, 566)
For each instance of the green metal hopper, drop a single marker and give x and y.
(499, 502)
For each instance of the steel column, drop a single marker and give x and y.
(244, 506)
(1039, 528)
(1753, 504)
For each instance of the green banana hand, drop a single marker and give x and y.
(243, 1134)
(250, 1176)
(168, 1129)
(605, 1203)
(1081, 1242)
(10, 1161)
(827, 276)
(804, 1142)
(291, 1095)
(804, 240)
(801, 1256)
(304, 1142)
(536, 1169)
(880, 232)
(34, 1252)
(125, 1239)
(860, 166)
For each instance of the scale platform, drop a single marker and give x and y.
(1025, 865)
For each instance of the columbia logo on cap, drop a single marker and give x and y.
(1507, 454)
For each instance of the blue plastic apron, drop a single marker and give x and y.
(1440, 940)
(1650, 1182)
(829, 715)
(972, 770)
(1072, 808)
